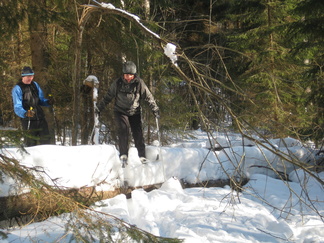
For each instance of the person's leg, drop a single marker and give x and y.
(137, 132)
(43, 132)
(122, 123)
(30, 136)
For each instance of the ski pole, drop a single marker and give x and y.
(159, 136)
(159, 155)
(31, 108)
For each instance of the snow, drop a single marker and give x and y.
(135, 17)
(170, 51)
(107, 5)
(267, 209)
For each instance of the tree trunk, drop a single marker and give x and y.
(50, 204)
(39, 55)
(76, 85)
(30, 204)
(76, 73)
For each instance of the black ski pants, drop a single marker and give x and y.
(125, 124)
(38, 132)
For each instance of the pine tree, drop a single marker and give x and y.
(260, 66)
(307, 35)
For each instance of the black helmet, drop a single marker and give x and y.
(129, 68)
(27, 71)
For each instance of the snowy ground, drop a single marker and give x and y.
(267, 210)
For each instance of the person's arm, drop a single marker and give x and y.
(17, 102)
(42, 100)
(108, 96)
(148, 97)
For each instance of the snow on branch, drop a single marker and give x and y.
(169, 49)
(133, 16)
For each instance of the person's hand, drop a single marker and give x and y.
(51, 100)
(30, 113)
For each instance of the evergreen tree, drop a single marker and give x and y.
(260, 64)
(307, 35)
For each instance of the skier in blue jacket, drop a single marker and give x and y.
(28, 98)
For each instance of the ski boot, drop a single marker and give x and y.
(123, 160)
(144, 160)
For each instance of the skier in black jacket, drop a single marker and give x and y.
(128, 91)
(28, 98)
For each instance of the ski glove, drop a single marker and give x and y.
(51, 100)
(30, 113)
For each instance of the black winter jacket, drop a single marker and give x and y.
(29, 95)
(128, 96)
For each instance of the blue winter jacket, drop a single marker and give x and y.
(25, 96)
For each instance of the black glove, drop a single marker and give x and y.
(51, 100)
(157, 114)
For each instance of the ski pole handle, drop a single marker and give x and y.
(30, 113)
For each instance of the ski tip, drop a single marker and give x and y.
(147, 162)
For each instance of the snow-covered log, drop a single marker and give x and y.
(74, 171)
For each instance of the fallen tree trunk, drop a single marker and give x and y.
(35, 207)
(49, 203)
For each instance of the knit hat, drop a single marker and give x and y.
(129, 68)
(27, 71)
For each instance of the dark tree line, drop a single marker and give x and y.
(263, 59)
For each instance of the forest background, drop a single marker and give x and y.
(245, 65)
